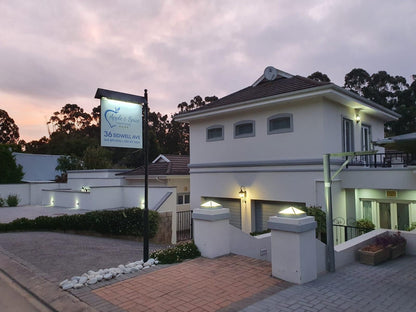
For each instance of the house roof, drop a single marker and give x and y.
(164, 165)
(408, 137)
(38, 167)
(286, 86)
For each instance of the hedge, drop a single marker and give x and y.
(128, 222)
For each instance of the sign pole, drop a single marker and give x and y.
(146, 181)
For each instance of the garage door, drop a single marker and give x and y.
(263, 210)
(233, 204)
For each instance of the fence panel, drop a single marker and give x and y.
(184, 225)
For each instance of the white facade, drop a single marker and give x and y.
(285, 168)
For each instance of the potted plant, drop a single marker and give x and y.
(385, 246)
(398, 245)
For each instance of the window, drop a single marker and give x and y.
(347, 135)
(365, 138)
(280, 123)
(244, 129)
(183, 199)
(215, 133)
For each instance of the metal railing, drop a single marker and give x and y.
(384, 160)
(343, 233)
(184, 225)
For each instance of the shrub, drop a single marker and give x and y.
(365, 226)
(128, 222)
(1, 202)
(320, 218)
(177, 253)
(12, 200)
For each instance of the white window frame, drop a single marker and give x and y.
(365, 127)
(184, 196)
(347, 146)
(283, 130)
(244, 135)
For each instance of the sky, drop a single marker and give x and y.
(57, 52)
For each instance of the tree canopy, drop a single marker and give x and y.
(9, 131)
(10, 172)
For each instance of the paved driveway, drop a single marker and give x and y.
(62, 255)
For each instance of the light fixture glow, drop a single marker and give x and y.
(357, 116)
(242, 193)
(211, 204)
(292, 212)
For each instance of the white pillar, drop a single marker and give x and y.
(211, 231)
(293, 248)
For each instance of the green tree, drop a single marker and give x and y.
(9, 131)
(70, 119)
(97, 157)
(318, 76)
(10, 172)
(393, 92)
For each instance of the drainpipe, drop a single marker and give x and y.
(328, 202)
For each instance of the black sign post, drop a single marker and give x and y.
(136, 99)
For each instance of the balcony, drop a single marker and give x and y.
(384, 160)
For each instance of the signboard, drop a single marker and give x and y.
(121, 124)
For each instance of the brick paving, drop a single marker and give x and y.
(356, 287)
(228, 283)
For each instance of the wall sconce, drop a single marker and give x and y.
(357, 116)
(242, 194)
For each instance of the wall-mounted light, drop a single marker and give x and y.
(357, 115)
(242, 193)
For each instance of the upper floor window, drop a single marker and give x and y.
(347, 135)
(215, 133)
(280, 123)
(365, 137)
(244, 129)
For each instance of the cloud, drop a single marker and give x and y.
(58, 52)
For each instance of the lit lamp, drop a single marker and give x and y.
(211, 204)
(242, 193)
(292, 212)
(357, 116)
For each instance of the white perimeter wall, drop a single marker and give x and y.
(28, 193)
(163, 198)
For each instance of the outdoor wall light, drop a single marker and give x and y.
(243, 192)
(357, 116)
(292, 212)
(211, 204)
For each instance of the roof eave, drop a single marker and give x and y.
(290, 96)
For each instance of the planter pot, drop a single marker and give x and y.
(374, 257)
(398, 250)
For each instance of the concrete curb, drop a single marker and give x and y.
(45, 292)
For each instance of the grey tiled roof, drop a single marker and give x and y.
(177, 165)
(265, 89)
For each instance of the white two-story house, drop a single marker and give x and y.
(261, 149)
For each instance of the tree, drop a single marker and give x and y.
(10, 172)
(356, 80)
(9, 131)
(318, 76)
(70, 119)
(97, 157)
(393, 92)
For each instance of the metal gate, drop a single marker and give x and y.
(184, 225)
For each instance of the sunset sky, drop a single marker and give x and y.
(58, 52)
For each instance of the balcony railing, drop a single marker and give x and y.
(384, 160)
